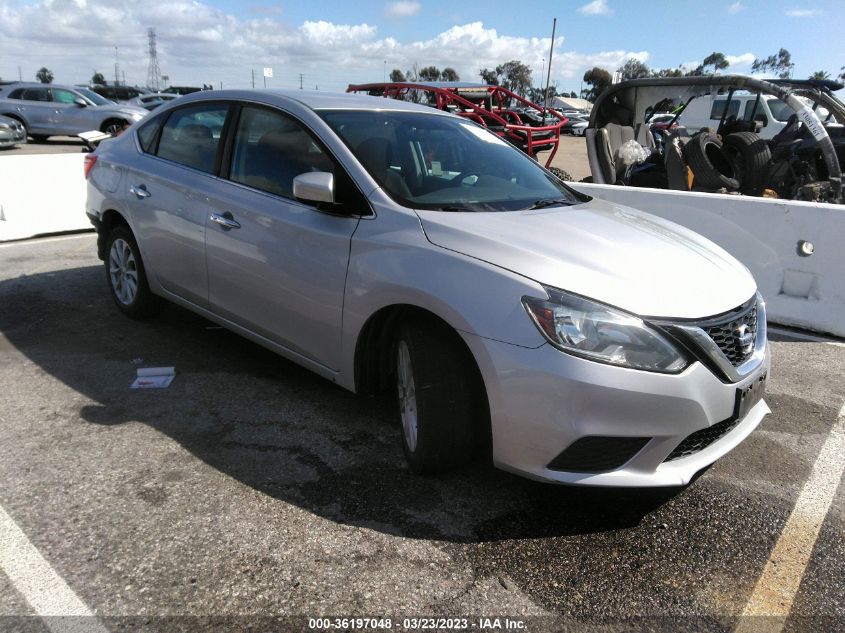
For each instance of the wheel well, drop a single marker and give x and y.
(15, 117)
(110, 219)
(374, 360)
(107, 122)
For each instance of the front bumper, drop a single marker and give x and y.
(10, 138)
(542, 400)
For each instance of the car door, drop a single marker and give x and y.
(36, 109)
(276, 265)
(68, 117)
(167, 194)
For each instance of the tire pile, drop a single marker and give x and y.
(739, 162)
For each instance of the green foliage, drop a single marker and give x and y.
(597, 79)
(781, 63)
(820, 74)
(513, 75)
(98, 79)
(634, 69)
(44, 75)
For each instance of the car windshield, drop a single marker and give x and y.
(93, 97)
(431, 161)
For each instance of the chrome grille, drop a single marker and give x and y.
(727, 335)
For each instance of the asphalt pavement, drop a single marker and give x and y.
(254, 494)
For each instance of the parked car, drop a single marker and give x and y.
(567, 128)
(12, 132)
(181, 90)
(388, 245)
(153, 100)
(118, 94)
(50, 110)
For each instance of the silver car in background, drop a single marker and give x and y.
(12, 132)
(50, 110)
(390, 246)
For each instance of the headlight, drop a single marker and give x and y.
(597, 332)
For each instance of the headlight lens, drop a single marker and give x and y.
(597, 332)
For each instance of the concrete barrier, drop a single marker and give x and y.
(801, 289)
(41, 193)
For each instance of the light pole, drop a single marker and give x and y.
(116, 76)
(384, 76)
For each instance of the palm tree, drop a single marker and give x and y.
(820, 74)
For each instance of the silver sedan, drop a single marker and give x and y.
(390, 246)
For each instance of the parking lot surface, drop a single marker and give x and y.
(252, 489)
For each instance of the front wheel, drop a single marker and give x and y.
(114, 127)
(437, 397)
(126, 277)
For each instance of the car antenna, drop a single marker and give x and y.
(549, 72)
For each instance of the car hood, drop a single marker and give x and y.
(611, 253)
(119, 108)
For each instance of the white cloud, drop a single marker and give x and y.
(596, 7)
(402, 8)
(745, 59)
(198, 44)
(736, 7)
(801, 13)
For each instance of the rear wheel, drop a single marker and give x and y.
(437, 397)
(126, 277)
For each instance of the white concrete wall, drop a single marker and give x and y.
(41, 193)
(807, 292)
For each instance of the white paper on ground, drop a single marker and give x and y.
(154, 377)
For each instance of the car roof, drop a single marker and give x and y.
(37, 84)
(312, 99)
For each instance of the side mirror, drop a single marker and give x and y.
(314, 186)
(81, 102)
(762, 119)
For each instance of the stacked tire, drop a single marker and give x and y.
(740, 162)
(709, 163)
(750, 155)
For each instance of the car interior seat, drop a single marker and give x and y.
(376, 154)
(610, 137)
(274, 162)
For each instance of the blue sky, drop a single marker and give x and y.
(333, 43)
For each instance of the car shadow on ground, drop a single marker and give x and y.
(279, 428)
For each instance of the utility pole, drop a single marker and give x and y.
(116, 76)
(253, 77)
(154, 77)
(549, 73)
(300, 80)
(384, 77)
(20, 74)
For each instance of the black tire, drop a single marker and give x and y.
(710, 165)
(135, 300)
(751, 156)
(113, 126)
(561, 173)
(39, 138)
(446, 403)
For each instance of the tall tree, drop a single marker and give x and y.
(633, 69)
(513, 75)
(489, 76)
(597, 79)
(449, 74)
(668, 72)
(780, 63)
(820, 74)
(430, 73)
(841, 76)
(98, 79)
(44, 75)
(397, 76)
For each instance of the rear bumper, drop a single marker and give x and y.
(543, 400)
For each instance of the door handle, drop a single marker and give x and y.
(140, 191)
(225, 220)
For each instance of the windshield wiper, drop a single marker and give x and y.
(550, 202)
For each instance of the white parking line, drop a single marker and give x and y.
(804, 336)
(777, 587)
(40, 585)
(44, 240)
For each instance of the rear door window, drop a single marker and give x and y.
(36, 94)
(191, 136)
(719, 108)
